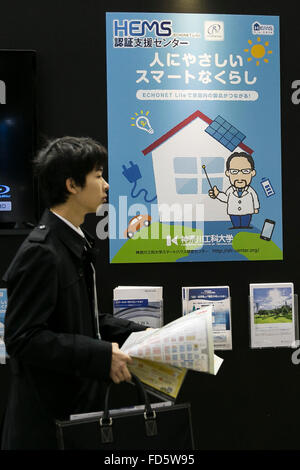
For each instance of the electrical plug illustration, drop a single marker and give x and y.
(133, 174)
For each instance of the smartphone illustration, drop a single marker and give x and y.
(267, 230)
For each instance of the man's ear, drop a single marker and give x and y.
(227, 173)
(71, 186)
(253, 173)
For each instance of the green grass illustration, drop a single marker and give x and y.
(253, 247)
(149, 245)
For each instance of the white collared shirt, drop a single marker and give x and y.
(247, 203)
(77, 229)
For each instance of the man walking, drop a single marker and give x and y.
(62, 350)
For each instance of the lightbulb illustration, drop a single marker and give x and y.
(142, 122)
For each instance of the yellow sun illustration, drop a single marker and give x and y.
(258, 51)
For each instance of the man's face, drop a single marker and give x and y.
(93, 194)
(240, 173)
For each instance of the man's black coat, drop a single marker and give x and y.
(59, 367)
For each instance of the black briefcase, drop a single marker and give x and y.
(167, 427)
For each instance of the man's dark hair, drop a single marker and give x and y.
(240, 154)
(63, 158)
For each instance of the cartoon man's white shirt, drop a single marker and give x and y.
(247, 203)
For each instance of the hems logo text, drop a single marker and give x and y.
(138, 28)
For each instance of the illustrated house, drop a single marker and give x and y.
(178, 158)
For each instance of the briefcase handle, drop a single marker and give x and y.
(149, 412)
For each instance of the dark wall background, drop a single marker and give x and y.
(253, 401)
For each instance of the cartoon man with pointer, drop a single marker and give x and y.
(242, 201)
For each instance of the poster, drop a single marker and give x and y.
(194, 138)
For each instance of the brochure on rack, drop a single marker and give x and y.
(272, 315)
(3, 305)
(194, 298)
(141, 304)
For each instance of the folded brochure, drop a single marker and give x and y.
(162, 356)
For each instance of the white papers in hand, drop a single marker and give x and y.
(186, 342)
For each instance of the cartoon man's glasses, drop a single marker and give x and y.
(245, 171)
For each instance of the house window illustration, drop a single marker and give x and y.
(215, 168)
(178, 157)
(188, 176)
(187, 166)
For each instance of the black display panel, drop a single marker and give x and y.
(17, 138)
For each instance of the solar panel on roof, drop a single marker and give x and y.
(225, 133)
